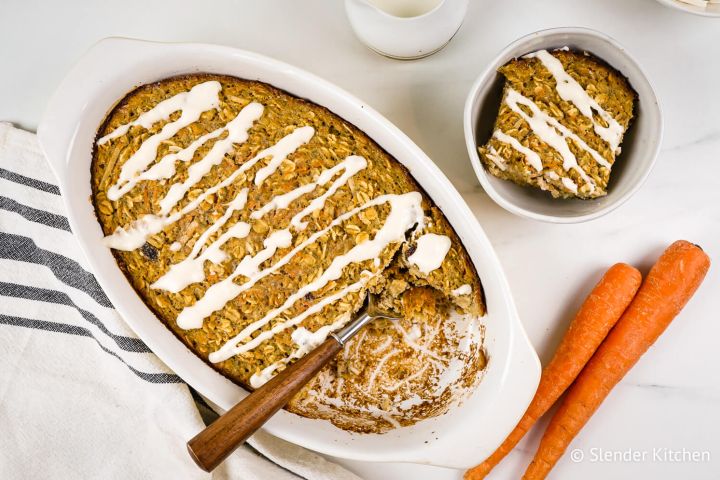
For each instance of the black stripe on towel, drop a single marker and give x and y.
(67, 270)
(29, 182)
(128, 344)
(84, 332)
(262, 455)
(35, 215)
(207, 414)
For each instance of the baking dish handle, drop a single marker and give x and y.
(68, 104)
(521, 378)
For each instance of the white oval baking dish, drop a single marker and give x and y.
(460, 438)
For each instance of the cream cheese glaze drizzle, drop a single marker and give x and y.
(405, 213)
(190, 269)
(165, 167)
(237, 130)
(234, 345)
(571, 91)
(135, 235)
(552, 132)
(306, 342)
(192, 104)
(430, 252)
(202, 96)
(569, 184)
(530, 155)
(462, 290)
(406, 208)
(352, 165)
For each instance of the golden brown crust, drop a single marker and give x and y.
(334, 140)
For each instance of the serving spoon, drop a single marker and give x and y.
(219, 439)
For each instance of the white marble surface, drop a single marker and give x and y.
(671, 399)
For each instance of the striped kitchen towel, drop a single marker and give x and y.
(80, 395)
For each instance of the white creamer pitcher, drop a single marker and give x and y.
(406, 29)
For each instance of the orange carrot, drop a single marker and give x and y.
(597, 315)
(667, 288)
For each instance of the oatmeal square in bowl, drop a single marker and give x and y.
(561, 123)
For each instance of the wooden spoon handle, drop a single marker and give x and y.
(211, 446)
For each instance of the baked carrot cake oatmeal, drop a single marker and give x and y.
(253, 224)
(561, 123)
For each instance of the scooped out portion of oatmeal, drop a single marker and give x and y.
(253, 224)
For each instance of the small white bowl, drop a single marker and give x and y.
(708, 11)
(405, 37)
(639, 148)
